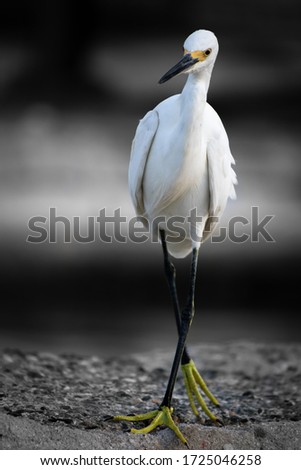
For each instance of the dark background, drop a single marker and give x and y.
(75, 78)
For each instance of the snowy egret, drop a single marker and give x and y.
(181, 161)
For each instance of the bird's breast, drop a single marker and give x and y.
(176, 174)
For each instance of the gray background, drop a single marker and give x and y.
(74, 81)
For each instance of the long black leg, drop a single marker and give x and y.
(170, 273)
(186, 319)
(163, 415)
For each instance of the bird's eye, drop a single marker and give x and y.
(207, 52)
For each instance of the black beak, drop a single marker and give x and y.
(185, 63)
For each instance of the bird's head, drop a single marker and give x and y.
(200, 51)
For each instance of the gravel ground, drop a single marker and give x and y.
(62, 402)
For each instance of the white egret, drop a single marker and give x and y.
(180, 162)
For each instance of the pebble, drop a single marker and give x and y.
(228, 447)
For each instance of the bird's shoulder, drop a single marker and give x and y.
(222, 177)
(141, 145)
(169, 105)
(218, 146)
(214, 125)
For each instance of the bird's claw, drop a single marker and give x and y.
(194, 381)
(159, 417)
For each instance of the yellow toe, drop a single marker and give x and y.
(160, 417)
(193, 382)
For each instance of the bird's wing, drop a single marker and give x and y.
(222, 177)
(141, 146)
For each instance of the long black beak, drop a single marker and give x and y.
(185, 63)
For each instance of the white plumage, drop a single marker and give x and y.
(181, 159)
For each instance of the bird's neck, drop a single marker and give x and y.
(194, 96)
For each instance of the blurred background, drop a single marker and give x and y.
(75, 78)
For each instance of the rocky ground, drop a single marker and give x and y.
(52, 401)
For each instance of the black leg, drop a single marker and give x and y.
(193, 380)
(170, 272)
(186, 319)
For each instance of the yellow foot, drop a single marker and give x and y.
(159, 417)
(193, 380)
